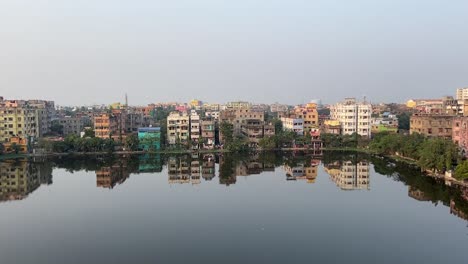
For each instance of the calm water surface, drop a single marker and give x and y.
(269, 208)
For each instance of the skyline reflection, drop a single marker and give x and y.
(19, 178)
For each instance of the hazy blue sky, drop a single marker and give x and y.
(291, 51)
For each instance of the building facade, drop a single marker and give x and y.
(178, 128)
(293, 124)
(354, 116)
(432, 125)
(149, 138)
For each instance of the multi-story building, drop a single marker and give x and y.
(194, 129)
(239, 116)
(21, 123)
(208, 133)
(277, 107)
(269, 129)
(309, 114)
(354, 116)
(462, 93)
(212, 114)
(46, 113)
(460, 133)
(111, 125)
(71, 125)
(178, 128)
(432, 125)
(105, 126)
(293, 124)
(238, 105)
(149, 138)
(252, 129)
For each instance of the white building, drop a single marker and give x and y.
(354, 116)
(462, 93)
(293, 124)
(194, 126)
(178, 128)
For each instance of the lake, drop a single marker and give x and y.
(259, 208)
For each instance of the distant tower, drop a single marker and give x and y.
(126, 100)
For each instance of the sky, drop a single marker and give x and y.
(291, 51)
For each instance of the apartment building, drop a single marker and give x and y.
(460, 133)
(21, 124)
(208, 133)
(354, 116)
(277, 107)
(195, 128)
(178, 128)
(239, 116)
(26, 120)
(238, 105)
(252, 129)
(309, 114)
(293, 124)
(462, 93)
(112, 125)
(149, 138)
(432, 125)
(71, 125)
(105, 126)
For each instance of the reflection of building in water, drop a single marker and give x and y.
(19, 178)
(179, 170)
(208, 167)
(195, 171)
(149, 163)
(231, 168)
(302, 171)
(109, 177)
(417, 194)
(348, 175)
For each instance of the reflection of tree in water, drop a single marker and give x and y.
(424, 187)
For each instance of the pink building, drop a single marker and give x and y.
(460, 133)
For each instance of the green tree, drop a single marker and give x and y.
(278, 126)
(2, 148)
(461, 172)
(268, 142)
(227, 130)
(131, 142)
(89, 133)
(404, 121)
(56, 128)
(438, 154)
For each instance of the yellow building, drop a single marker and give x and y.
(18, 124)
(411, 104)
(309, 114)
